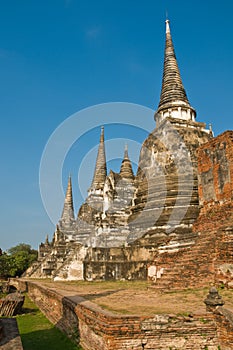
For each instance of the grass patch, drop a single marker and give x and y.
(99, 285)
(37, 332)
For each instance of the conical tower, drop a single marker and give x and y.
(100, 172)
(68, 209)
(126, 171)
(173, 99)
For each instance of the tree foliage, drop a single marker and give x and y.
(16, 260)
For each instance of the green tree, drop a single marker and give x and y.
(22, 247)
(16, 260)
(5, 264)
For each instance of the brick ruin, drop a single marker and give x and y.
(170, 222)
(97, 329)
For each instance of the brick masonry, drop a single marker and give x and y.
(97, 329)
(215, 169)
(209, 260)
(224, 322)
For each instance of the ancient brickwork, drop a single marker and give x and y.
(106, 331)
(189, 268)
(57, 308)
(224, 322)
(209, 260)
(215, 169)
(216, 223)
(224, 258)
(97, 329)
(223, 318)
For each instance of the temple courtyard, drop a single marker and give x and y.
(138, 297)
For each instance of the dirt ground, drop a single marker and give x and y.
(139, 298)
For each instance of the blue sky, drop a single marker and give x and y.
(60, 56)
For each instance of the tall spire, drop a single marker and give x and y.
(68, 209)
(100, 172)
(173, 99)
(126, 171)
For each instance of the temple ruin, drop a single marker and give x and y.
(149, 224)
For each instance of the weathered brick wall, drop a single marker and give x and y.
(98, 329)
(224, 321)
(215, 170)
(190, 268)
(58, 309)
(209, 261)
(217, 225)
(134, 333)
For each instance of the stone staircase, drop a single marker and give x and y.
(36, 265)
(71, 268)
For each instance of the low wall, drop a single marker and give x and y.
(224, 321)
(59, 309)
(97, 329)
(103, 330)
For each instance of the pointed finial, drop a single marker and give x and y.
(102, 134)
(126, 155)
(211, 130)
(167, 26)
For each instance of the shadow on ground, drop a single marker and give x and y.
(51, 339)
(11, 338)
